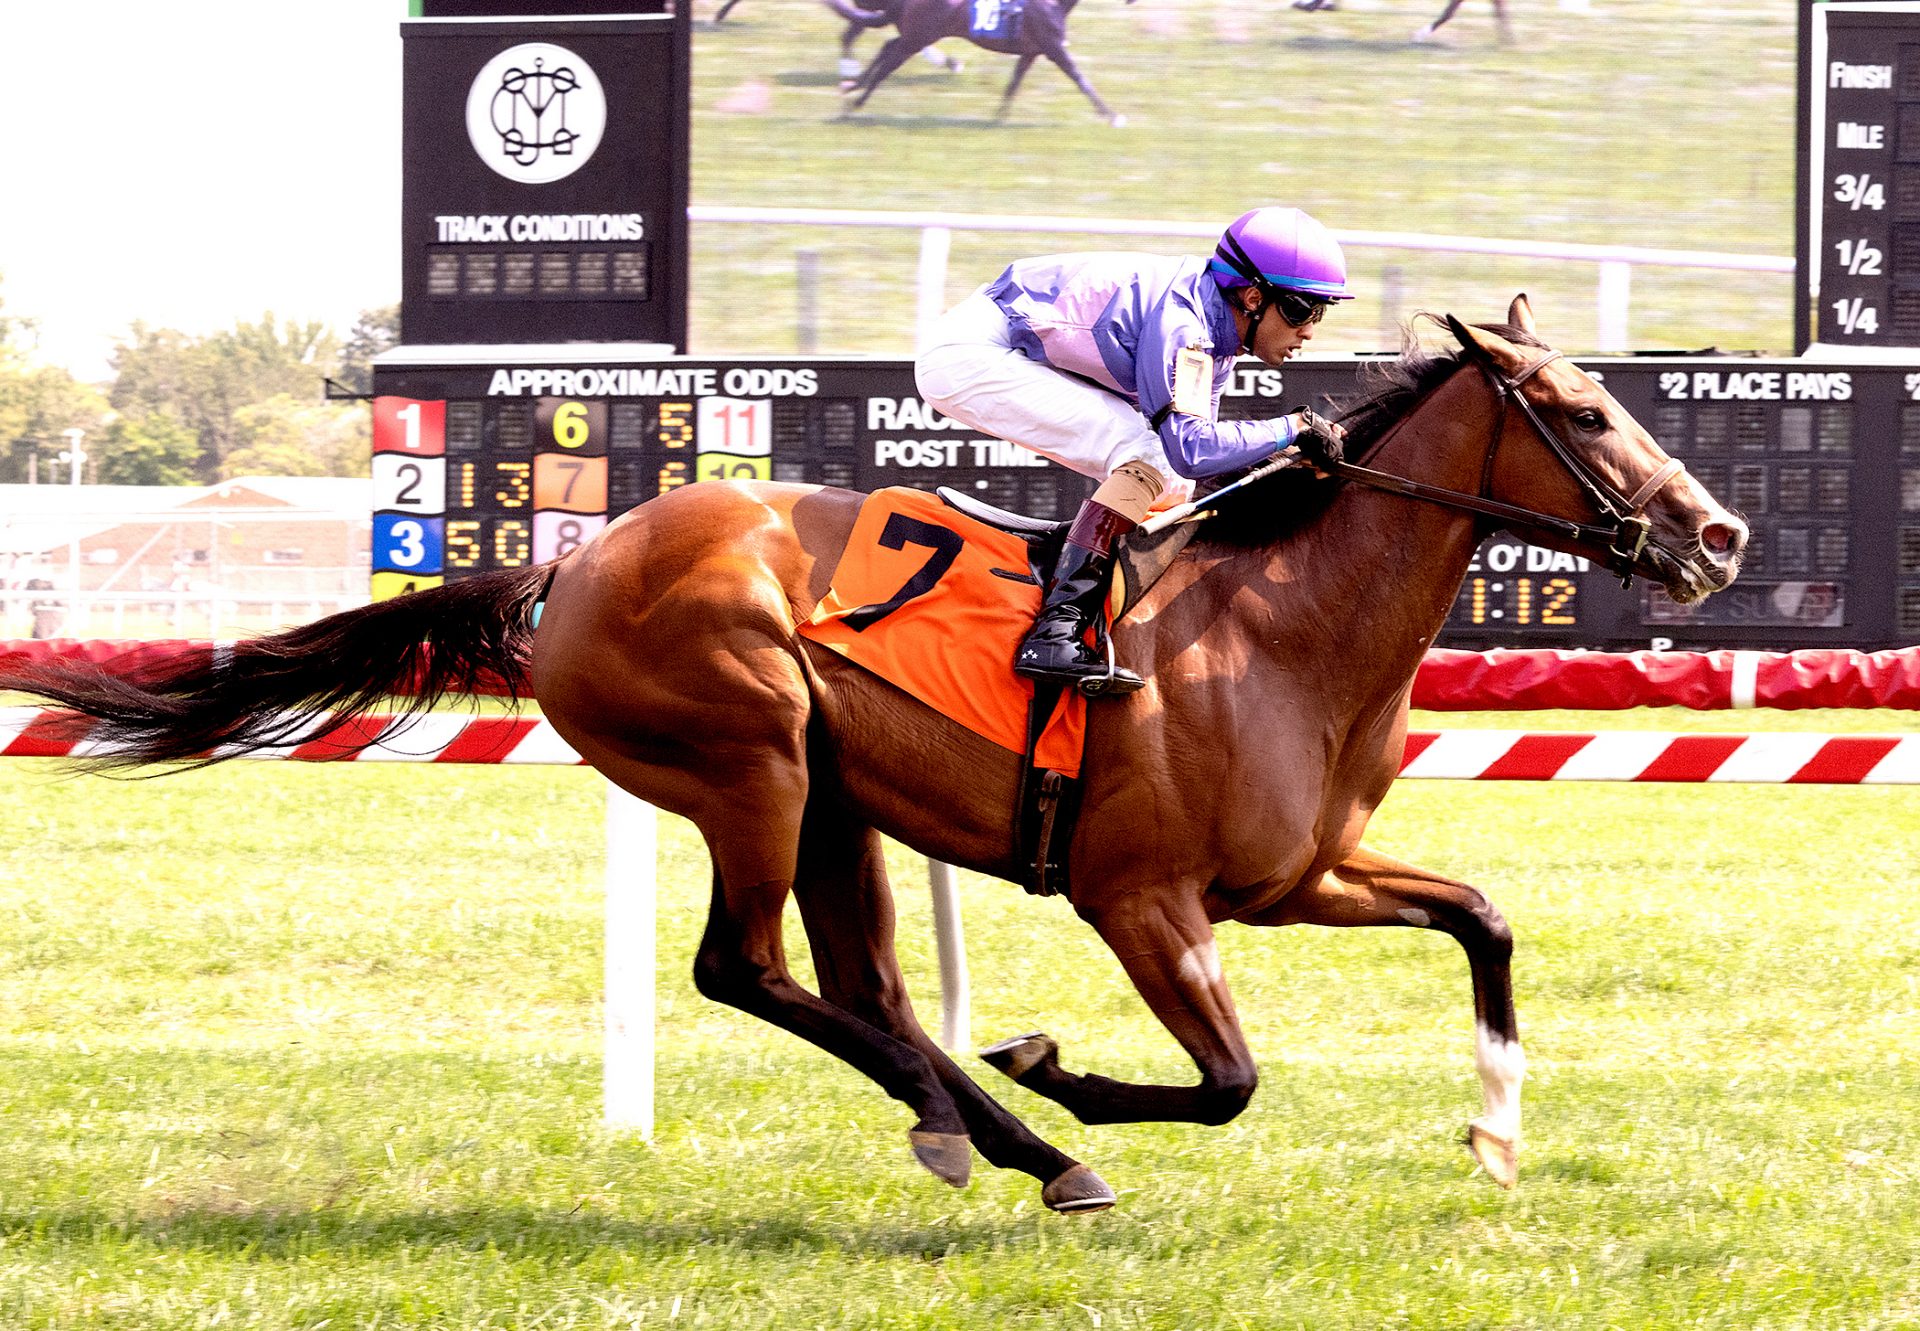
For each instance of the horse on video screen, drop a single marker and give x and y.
(1027, 29)
(850, 67)
(1424, 34)
(1279, 645)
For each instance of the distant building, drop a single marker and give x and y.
(253, 541)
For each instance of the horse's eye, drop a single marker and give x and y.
(1589, 419)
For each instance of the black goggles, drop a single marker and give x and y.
(1297, 308)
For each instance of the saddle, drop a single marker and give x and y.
(1139, 559)
(921, 598)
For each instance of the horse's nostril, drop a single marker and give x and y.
(1723, 540)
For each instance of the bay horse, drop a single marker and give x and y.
(1041, 30)
(1280, 648)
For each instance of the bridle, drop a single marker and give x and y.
(1623, 531)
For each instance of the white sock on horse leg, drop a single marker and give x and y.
(1503, 1066)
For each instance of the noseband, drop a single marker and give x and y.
(1623, 533)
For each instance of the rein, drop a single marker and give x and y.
(1623, 536)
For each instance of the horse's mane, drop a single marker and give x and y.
(1389, 390)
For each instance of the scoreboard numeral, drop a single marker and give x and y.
(676, 425)
(1861, 191)
(1913, 387)
(518, 487)
(463, 543)
(512, 543)
(1856, 316)
(410, 546)
(1673, 384)
(409, 416)
(570, 429)
(1859, 258)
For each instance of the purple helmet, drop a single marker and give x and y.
(1281, 247)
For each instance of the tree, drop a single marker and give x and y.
(284, 436)
(374, 331)
(153, 448)
(204, 383)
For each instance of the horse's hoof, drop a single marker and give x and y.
(947, 1155)
(1076, 1191)
(1499, 1156)
(1022, 1054)
(1118, 122)
(1422, 37)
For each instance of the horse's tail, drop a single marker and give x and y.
(304, 684)
(866, 18)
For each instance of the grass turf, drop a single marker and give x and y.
(291, 1046)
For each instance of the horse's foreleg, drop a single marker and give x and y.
(846, 904)
(1060, 57)
(1166, 944)
(1432, 27)
(1373, 889)
(1020, 68)
(894, 54)
(849, 67)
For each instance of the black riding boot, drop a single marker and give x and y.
(1056, 648)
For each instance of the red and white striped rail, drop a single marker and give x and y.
(1463, 755)
(1644, 755)
(435, 737)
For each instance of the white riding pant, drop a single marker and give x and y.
(968, 369)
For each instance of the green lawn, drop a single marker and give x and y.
(294, 1046)
(1639, 122)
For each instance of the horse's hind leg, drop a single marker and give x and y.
(846, 904)
(742, 961)
(1374, 889)
(1165, 941)
(1060, 57)
(1500, 17)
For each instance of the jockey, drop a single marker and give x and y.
(1112, 365)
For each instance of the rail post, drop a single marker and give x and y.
(627, 1065)
(1616, 297)
(951, 939)
(936, 243)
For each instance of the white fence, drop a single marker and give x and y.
(1614, 295)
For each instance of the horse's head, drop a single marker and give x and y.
(1564, 449)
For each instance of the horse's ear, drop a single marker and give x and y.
(1520, 314)
(1489, 346)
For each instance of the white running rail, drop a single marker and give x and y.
(1616, 262)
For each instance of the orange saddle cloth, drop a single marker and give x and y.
(915, 600)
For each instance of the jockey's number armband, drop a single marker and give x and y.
(1193, 383)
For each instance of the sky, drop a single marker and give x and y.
(158, 167)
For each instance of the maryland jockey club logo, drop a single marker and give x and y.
(536, 112)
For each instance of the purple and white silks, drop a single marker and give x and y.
(1121, 320)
